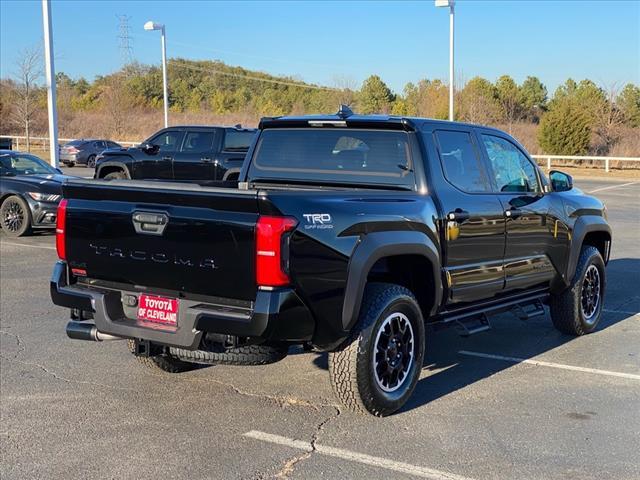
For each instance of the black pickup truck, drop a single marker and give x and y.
(347, 234)
(180, 153)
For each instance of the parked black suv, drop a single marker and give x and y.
(194, 153)
(346, 233)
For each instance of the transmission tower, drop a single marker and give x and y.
(124, 40)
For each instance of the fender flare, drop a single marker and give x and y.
(372, 248)
(120, 165)
(584, 225)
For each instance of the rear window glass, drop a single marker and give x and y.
(336, 154)
(74, 143)
(235, 140)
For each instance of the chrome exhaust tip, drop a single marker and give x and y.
(88, 331)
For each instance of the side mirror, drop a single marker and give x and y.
(560, 181)
(149, 148)
(59, 171)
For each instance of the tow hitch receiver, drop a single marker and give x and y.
(144, 348)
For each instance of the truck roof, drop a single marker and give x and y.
(232, 127)
(357, 120)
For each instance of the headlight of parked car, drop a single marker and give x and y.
(44, 197)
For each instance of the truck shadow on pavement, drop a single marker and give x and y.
(445, 370)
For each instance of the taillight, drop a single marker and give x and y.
(61, 221)
(72, 150)
(270, 268)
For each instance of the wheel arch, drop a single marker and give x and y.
(380, 256)
(588, 230)
(110, 167)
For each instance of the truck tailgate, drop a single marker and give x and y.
(163, 236)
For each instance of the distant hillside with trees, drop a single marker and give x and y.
(578, 118)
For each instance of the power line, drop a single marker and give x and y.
(249, 77)
(124, 39)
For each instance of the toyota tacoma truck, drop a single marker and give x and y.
(346, 234)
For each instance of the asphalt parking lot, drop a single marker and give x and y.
(520, 401)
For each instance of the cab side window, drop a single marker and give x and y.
(461, 162)
(168, 141)
(198, 142)
(512, 170)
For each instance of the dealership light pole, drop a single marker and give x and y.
(450, 4)
(51, 83)
(158, 26)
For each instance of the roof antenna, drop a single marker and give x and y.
(344, 111)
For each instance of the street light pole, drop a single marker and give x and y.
(158, 26)
(164, 78)
(450, 4)
(451, 61)
(51, 84)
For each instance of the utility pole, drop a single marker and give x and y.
(51, 83)
(124, 40)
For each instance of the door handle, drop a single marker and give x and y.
(458, 215)
(167, 158)
(206, 160)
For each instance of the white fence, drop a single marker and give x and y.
(43, 142)
(606, 160)
(549, 159)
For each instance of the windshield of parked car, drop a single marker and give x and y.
(23, 164)
(334, 155)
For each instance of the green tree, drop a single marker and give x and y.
(374, 96)
(628, 102)
(479, 102)
(402, 107)
(533, 94)
(509, 98)
(565, 129)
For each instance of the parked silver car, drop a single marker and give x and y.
(84, 151)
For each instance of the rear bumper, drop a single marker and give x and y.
(277, 315)
(70, 158)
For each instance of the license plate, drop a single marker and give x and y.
(156, 309)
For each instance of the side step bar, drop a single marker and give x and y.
(529, 310)
(476, 319)
(471, 326)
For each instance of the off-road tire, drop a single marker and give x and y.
(245, 355)
(351, 366)
(119, 175)
(166, 363)
(19, 207)
(566, 312)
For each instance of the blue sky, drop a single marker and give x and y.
(321, 41)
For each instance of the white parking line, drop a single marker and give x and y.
(602, 189)
(27, 245)
(363, 458)
(541, 363)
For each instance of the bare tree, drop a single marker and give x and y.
(28, 72)
(116, 102)
(609, 120)
(345, 90)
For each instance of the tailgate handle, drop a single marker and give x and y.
(150, 223)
